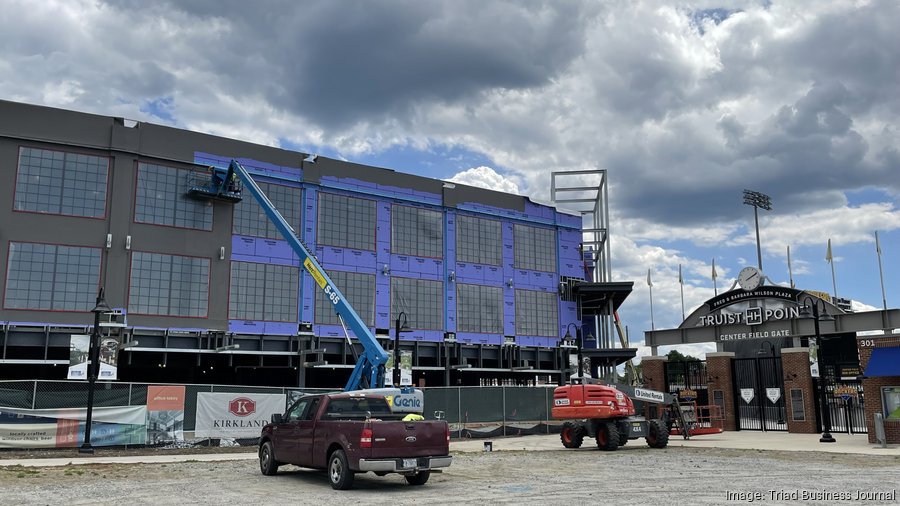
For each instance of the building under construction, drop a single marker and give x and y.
(490, 284)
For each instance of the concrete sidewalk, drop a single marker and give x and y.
(742, 440)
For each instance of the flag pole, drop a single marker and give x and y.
(830, 258)
(880, 271)
(714, 275)
(790, 271)
(650, 284)
(681, 282)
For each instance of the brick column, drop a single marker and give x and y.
(653, 370)
(872, 386)
(795, 367)
(719, 378)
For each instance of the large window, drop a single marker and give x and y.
(479, 309)
(536, 313)
(535, 248)
(359, 289)
(418, 232)
(47, 276)
(263, 292)
(250, 219)
(162, 199)
(55, 182)
(346, 222)
(170, 285)
(422, 301)
(478, 240)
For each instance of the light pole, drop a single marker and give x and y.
(400, 326)
(93, 370)
(810, 309)
(568, 338)
(757, 200)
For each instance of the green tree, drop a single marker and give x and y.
(676, 356)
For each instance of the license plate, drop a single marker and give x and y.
(636, 427)
(409, 463)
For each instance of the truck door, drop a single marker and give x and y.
(306, 432)
(287, 434)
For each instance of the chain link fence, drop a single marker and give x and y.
(471, 411)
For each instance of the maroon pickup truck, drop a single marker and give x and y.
(350, 432)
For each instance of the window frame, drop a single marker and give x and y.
(320, 202)
(533, 251)
(208, 284)
(459, 304)
(65, 153)
(552, 332)
(270, 227)
(265, 267)
(137, 197)
(413, 322)
(56, 245)
(442, 218)
(465, 217)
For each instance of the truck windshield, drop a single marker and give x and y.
(358, 406)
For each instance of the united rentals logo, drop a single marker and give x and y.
(242, 406)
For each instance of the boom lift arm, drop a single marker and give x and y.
(369, 365)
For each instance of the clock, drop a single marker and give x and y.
(749, 278)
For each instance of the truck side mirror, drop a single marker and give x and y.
(277, 418)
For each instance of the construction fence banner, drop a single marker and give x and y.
(165, 413)
(235, 415)
(64, 427)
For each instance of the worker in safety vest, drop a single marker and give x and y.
(413, 417)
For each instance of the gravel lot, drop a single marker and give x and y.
(632, 475)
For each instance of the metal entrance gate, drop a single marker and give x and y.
(759, 394)
(690, 376)
(846, 403)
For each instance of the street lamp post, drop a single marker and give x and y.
(811, 309)
(568, 339)
(399, 326)
(93, 370)
(757, 200)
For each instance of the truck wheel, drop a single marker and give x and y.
(657, 435)
(607, 436)
(267, 463)
(339, 472)
(623, 439)
(572, 435)
(419, 478)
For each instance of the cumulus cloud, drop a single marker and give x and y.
(486, 177)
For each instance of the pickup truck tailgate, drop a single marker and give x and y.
(409, 439)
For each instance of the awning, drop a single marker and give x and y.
(884, 362)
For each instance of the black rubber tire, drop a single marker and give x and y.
(339, 473)
(267, 463)
(572, 435)
(657, 435)
(607, 436)
(623, 438)
(419, 478)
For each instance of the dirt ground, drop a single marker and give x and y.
(632, 475)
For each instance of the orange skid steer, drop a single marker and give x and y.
(605, 414)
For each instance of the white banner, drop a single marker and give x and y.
(235, 415)
(79, 346)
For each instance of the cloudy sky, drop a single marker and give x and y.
(684, 103)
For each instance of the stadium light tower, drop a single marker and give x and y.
(757, 200)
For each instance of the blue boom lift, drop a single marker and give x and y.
(225, 185)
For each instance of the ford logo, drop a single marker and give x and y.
(410, 439)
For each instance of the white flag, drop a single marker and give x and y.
(649, 283)
(828, 257)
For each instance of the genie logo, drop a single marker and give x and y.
(407, 402)
(242, 406)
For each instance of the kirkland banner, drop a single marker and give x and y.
(165, 413)
(235, 415)
(64, 428)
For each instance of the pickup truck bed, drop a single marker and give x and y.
(349, 432)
